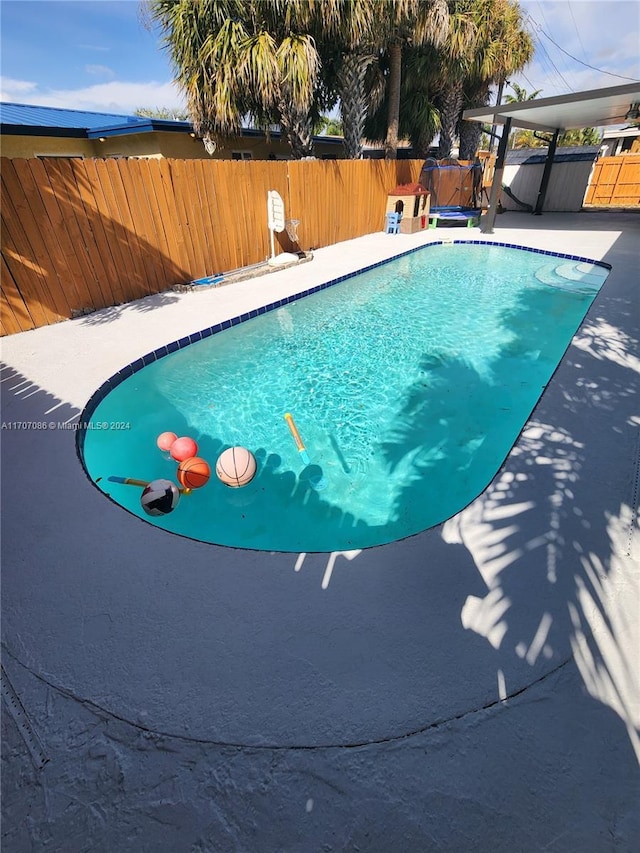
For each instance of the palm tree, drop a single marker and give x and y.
(531, 139)
(486, 41)
(239, 58)
(523, 138)
(400, 23)
(418, 119)
(188, 32)
(162, 112)
(353, 100)
(297, 64)
(358, 38)
(419, 115)
(329, 126)
(345, 34)
(500, 45)
(457, 56)
(470, 132)
(584, 136)
(520, 95)
(527, 139)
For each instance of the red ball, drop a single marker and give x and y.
(193, 473)
(165, 440)
(183, 448)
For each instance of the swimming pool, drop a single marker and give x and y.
(409, 384)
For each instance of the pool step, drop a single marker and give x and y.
(574, 276)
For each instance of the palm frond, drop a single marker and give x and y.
(259, 68)
(432, 23)
(299, 63)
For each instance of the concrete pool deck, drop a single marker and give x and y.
(471, 688)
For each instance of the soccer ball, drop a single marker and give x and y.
(160, 497)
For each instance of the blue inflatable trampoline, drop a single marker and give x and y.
(454, 188)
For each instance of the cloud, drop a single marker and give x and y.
(586, 33)
(100, 70)
(11, 89)
(626, 48)
(115, 96)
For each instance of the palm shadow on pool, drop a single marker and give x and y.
(494, 406)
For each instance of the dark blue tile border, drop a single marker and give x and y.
(127, 371)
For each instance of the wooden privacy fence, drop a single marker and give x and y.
(615, 181)
(85, 234)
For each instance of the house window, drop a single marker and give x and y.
(241, 155)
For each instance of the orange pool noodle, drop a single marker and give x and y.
(193, 473)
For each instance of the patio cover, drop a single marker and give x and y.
(595, 108)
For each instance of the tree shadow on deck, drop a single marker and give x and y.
(555, 534)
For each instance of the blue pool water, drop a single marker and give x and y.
(408, 384)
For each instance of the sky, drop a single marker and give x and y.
(97, 55)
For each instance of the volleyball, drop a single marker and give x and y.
(193, 473)
(236, 467)
(183, 448)
(160, 497)
(165, 440)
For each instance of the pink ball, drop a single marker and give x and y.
(165, 440)
(183, 448)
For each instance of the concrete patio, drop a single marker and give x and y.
(471, 688)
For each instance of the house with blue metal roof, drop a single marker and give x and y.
(34, 131)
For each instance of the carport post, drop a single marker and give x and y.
(546, 174)
(490, 218)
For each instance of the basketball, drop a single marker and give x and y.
(183, 448)
(160, 497)
(193, 473)
(236, 467)
(165, 440)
